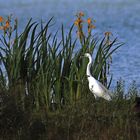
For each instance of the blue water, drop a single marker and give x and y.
(121, 17)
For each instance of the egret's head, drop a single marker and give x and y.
(87, 55)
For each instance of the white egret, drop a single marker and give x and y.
(97, 88)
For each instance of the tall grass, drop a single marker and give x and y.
(46, 69)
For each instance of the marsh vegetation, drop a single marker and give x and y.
(44, 90)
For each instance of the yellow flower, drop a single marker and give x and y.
(7, 24)
(89, 21)
(81, 14)
(92, 26)
(108, 33)
(78, 21)
(1, 19)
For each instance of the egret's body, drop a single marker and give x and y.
(97, 88)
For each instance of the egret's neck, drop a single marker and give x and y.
(89, 66)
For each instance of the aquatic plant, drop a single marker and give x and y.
(38, 65)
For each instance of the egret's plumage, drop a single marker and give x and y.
(97, 88)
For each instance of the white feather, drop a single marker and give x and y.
(97, 88)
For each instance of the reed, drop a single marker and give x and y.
(38, 65)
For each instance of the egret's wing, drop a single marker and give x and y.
(95, 96)
(91, 87)
(106, 94)
(98, 89)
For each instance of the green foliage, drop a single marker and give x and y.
(86, 119)
(133, 91)
(45, 68)
(119, 92)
